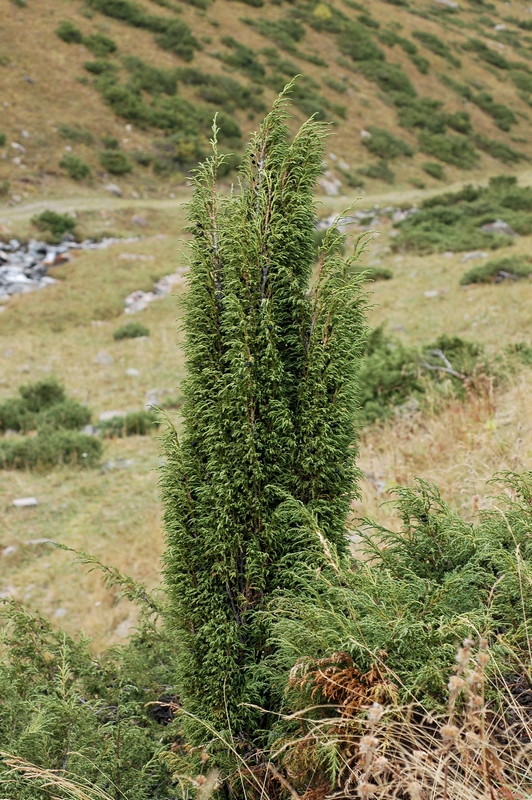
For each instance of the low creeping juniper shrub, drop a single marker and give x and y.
(453, 221)
(135, 423)
(69, 32)
(498, 270)
(99, 45)
(418, 591)
(115, 162)
(51, 447)
(56, 225)
(434, 169)
(68, 414)
(76, 168)
(131, 330)
(455, 150)
(381, 143)
(75, 134)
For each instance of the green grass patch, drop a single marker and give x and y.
(75, 134)
(136, 423)
(131, 330)
(434, 169)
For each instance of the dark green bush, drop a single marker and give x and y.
(454, 150)
(2, 139)
(43, 394)
(498, 270)
(55, 224)
(379, 171)
(178, 38)
(76, 168)
(381, 143)
(99, 45)
(75, 134)
(145, 77)
(390, 78)
(50, 448)
(374, 273)
(69, 32)
(16, 416)
(488, 55)
(499, 150)
(131, 330)
(420, 112)
(437, 46)
(115, 162)
(136, 423)
(101, 67)
(423, 64)
(67, 414)
(503, 116)
(110, 142)
(434, 169)
(460, 122)
(242, 58)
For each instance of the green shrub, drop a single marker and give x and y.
(2, 139)
(503, 116)
(390, 78)
(110, 142)
(499, 150)
(16, 416)
(115, 162)
(379, 171)
(178, 38)
(76, 168)
(488, 55)
(452, 149)
(55, 224)
(50, 448)
(460, 122)
(42, 394)
(374, 273)
(498, 270)
(99, 45)
(4, 188)
(69, 32)
(75, 134)
(422, 64)
(381, 143)
(131, 330)
(242, 58)
(136, 423)
(141, 157)
(420, 112)
(67, 414)
(523, 80)
(437, 46)
(147, 78)
(434, 169)
(101, 67)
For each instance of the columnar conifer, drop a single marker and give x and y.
(257, 486)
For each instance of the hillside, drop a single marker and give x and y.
(418, 91)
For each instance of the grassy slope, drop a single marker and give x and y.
(30, 48)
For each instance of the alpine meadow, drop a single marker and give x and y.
(265, 400)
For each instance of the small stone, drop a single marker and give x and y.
(25, 134)
(431, 293)
(131, 372)
(60, 612)
(123, 628)
(137, 219)
(9, 550)
(90, 430)
(119, 463)
(25, 502)
(103, 358)
(113, 188)
(499, 226)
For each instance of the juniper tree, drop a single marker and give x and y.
(257, 486)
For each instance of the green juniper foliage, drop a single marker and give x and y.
(258, 486)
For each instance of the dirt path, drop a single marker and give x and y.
(328, 204)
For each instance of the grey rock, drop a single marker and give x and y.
(119, 463)
(10, 550)
(90, 430)
(472, 255)
(60, 612)
(114, 189)
(499, 226)
(131, 372)
(104, 359)
(137, 219)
